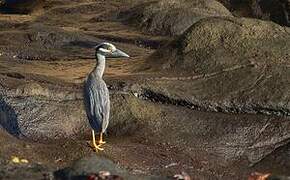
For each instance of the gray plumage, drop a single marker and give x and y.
(97, 102)
(96, 93)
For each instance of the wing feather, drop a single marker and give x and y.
(97, 104)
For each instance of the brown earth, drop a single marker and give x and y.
(220, 123)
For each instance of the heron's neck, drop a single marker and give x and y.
(100, 66)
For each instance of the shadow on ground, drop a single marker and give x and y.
(8, 119)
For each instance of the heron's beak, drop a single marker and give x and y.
(118, 53)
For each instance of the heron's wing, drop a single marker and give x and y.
(97, 104)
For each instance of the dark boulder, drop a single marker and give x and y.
(274, 10)
(103, 168)
(277, 11)
(240, 8)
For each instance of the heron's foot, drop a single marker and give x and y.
(95, 146)
(98, 147)
(102, 142)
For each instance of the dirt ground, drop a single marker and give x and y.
(141, 152)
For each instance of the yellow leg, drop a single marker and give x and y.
(101, 139)
(97, 147)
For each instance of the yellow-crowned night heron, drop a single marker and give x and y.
(96, 93)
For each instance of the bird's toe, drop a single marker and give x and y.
(98, 148)
(102, 142)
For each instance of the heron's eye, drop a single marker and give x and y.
(110, 49)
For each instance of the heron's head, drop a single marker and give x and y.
(109, 50)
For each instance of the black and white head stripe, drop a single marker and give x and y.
(109, 50)
(105, 47)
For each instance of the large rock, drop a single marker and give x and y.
(32, 110)
(226, 65)
(38, 111)
(239, 65)
(171, 17)
(94, 166)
